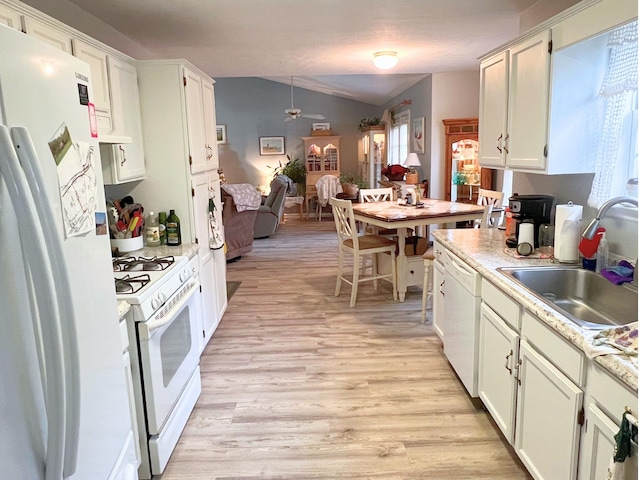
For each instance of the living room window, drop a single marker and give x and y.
(399, 138)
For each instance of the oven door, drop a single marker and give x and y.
(169, 352)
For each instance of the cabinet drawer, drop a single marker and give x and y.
(567, 358)
(500, 302)
(611, 395)
(415, 270)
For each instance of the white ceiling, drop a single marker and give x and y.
(317, 41)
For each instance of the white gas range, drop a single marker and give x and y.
(164, 293)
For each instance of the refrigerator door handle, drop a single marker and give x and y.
(36, 264)
(29, 161)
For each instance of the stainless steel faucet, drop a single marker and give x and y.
(593, 225)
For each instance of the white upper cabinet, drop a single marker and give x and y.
(97, 60)
(201, 123)
(10, 18)
(514, 92)
(47, 33)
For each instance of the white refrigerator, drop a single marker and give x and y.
(63, 398)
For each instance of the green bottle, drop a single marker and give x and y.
(174, 238)
(162, 221)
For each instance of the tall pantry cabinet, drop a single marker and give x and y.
(178, 118)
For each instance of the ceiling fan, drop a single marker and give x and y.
(293, 112)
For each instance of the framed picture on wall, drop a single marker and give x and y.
(271, 145)
(418, 135)
(221, 134)
(321, 126)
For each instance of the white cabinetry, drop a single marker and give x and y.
(10, 17)
(438, 289)
(97, 60)
(169, 179)
(605, 401)
(201, 126)
(123, 161)
(514, 92)
(530, 382)
(48, 33)
(126, 360)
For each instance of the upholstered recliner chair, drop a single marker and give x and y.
(270, 212)
(238, 226)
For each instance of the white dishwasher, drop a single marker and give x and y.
(462, 320)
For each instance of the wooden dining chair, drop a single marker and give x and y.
(358, 246)
(494, 200)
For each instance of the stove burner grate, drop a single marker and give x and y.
(129, 284)
(135, 264)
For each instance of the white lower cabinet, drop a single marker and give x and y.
(547, 432)
(210, 318)
(529, 380)
(438, 298)
(498, 356)
(605, 401)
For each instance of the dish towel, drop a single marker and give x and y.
(622, 449)
(244, 195)
(622, 340)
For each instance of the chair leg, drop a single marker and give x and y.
(374, 269)
(354, 286)
(340, 267)
(426, 291)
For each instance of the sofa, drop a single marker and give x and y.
(270, 212)
(238, 227)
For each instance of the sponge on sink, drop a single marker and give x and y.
(589, 248)
(621, 273)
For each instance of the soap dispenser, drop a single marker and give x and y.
(602, 256)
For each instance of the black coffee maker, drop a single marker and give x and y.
(534, 209)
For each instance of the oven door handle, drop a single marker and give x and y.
(156, 323)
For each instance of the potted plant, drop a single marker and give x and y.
(368, 122)
(351, 184)
(296, 171)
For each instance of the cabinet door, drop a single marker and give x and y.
(49, 34)
(10, 18)
(497, 358)
(210, 317)
(438, 299)
(126, 118)
(195, 122)
(492, 125)
(132, 403)
(209, 118)
(97, 60)
(528, 113)
(547, 430)
(200, 194)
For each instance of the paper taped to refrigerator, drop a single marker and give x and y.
(77, 181)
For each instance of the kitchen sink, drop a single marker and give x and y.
(585, 297)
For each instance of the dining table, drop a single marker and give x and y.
(394, 215)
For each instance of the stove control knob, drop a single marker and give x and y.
(184, 275)
(156, 302)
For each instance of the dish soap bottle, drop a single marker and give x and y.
(151, 230)
(174, 238)
(602, 255)
(162, 221)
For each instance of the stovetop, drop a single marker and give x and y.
(139, 279)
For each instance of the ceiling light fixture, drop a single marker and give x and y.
(385, 60)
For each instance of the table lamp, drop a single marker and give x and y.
(412, 161)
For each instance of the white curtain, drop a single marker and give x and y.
(620, 81)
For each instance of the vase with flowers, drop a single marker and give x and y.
(395, 172)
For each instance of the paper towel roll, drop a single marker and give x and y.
(567, 232)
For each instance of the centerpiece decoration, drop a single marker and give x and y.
(395, 172)
(351, 184)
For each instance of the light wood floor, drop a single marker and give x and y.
(297, 385)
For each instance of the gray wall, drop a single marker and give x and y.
(253, 108)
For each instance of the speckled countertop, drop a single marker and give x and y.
(483, 250)
(186, 250)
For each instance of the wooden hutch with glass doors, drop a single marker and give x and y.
(322, 157)
(463, 175)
